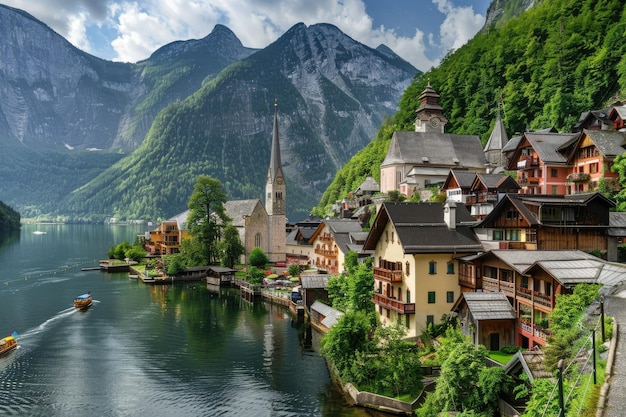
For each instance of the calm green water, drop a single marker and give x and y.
(144, 350)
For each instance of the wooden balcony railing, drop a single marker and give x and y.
(534, 330)
(326, 252)
(492, 284)
(387, 275)
(327, 238)
(526, 162)
(393, 304)
(467, 281)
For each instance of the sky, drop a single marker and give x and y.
(420, 31)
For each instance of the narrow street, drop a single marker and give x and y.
(615, 406)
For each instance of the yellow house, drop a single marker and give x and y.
(332, 240)
(416, 246)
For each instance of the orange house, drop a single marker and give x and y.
(166, 238)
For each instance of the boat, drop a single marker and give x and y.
(83, 301)
(8, 343)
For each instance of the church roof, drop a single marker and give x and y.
(432, 149)
(498, 137)
(239, 209)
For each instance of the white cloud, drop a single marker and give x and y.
(459, 26)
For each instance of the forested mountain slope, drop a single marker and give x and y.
(544, 68)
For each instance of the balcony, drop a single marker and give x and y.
(534, 330)
(326, 252)
(467, 281)
(528, 181)
(325, 238)
(495, 285)
(526, 162)
(393, 304)
(388, 275)
(578, 177)
(535, 297)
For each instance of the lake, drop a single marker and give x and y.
(145, 350)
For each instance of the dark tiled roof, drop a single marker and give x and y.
(437, 148)
(547, 145)
(463, 177)
(498, 138)
(609, 143)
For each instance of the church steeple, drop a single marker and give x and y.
(275, 185)
(429, 116)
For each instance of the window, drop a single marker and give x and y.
(407, 321)
(512, 235)
(593, 168)
(431, 297)
(408, 296)
(432, 267)
(450, 296)
(407, 269)
(554, 190)
(258, 240)
(554, 172)
(430, 319)
(548, 288)
(386, 236)
(392, 236)
(497, 235)
(511, 215)
(451, 267)
(524, 282)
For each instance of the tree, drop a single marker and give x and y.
(207, 217)
(258, 258)
(294, 269)
(230, 247)
(347, 336)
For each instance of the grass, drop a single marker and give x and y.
(500, 357)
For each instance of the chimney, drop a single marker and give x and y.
(449, 214)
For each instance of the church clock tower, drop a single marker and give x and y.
(275, 192)
(429, 116)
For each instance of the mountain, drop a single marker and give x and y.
(332, 94)
(88, 138)
(558, 59)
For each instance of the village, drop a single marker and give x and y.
(490, 235)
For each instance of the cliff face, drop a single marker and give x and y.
(200, 102)
(501, 11)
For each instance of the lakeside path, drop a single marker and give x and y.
(615, 306)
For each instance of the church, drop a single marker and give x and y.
(423, 158)
(258, 225)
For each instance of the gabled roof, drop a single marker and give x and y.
(180, 219)
(494, 182)
(238, 210)
(608, 142)
(531, 362)
(331, 316)
(521, 203)
(340, 229)
(522, 260)
(618, 111)
(581, 271)
(421, 228)
(311, 281)
(463, 178)
(547, 146)
(488, 306)
(368, 186)
(435, 149)
(593, 118)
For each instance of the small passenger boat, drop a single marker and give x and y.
(83, 301)
(8, 343)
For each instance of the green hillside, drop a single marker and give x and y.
(545, 68)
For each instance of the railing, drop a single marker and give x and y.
(326, 252)
(467, 281)
(388, 275)
(495, 285)
(325, 238)
(578, 177)
(393, 304)
(536, 331)
(535, 296)
(527, 162)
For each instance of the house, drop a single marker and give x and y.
(313, 288)
(298, 242)
(487, 318)
(548, 222)
(332, 240)
(479, 192)
(415, 248)
(541, 162)
(166, 238)
(531, 281)
(618, 117)
(591, 160)
(419, 159)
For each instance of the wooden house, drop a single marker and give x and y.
(548, 222)
(415, 248)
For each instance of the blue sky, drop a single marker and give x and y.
(420, 31)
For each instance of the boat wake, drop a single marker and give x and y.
(39, 329)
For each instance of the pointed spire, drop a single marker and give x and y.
(275, 167)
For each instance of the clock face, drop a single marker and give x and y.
(279, 180)
(434, 122)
